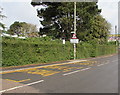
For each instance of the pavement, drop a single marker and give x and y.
(94, 75)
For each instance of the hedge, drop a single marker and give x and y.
(44, 50)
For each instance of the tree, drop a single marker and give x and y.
(99, 30)
(58, 20)
(2, 26)
(15, 28)
(58, 17)
(23, 29)
(31, 30)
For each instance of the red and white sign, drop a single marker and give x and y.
(74, 39)
(74, 36)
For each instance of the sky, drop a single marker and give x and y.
(23, 11)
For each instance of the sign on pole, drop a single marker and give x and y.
(74, 39)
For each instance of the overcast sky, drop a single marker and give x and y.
(23, 11)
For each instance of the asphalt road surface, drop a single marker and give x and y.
(96, 75)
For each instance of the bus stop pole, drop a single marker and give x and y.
(74, 29)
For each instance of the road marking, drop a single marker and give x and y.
(76, 71)
(114, 61)
(45, 72)
(85, 69)
(17, 70)
(106, 63)
(41, 72)
(18, 81)
(100, 64)
(21, 86)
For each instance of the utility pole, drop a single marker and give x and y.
(74, 29)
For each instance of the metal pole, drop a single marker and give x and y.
(116, 37)
(74, 51)
(75, 17)
(74, 29)
(116, 34)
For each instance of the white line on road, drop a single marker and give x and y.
(106, 63)
(21, 86)
(100, 64)
(114, 61)
(76, 71)
(85, 69)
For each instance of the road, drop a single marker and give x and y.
(94, 75)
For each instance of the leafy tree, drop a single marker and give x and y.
(32, 30)
(59, 16)
(99, 30)
(23, 29)
(15, 28)
(2, 26)
(29, 29)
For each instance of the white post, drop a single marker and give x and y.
(74, 29)
(63, 41)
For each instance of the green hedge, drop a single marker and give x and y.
(43, 50)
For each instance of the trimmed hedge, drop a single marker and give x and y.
(43, 50)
